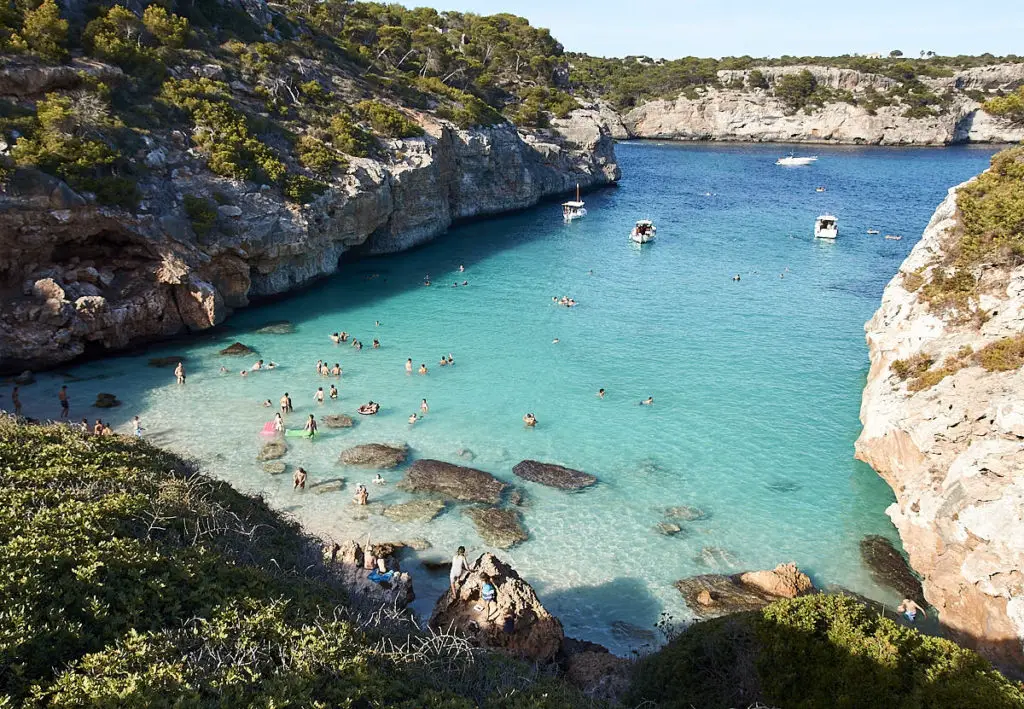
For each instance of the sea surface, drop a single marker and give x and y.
(756, 382)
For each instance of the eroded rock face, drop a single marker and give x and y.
(553, 475)
(378, 456)
(348, 561)
(453, 482)
(953, 453)
(498, 527)
(713, 595)
(518, 623)
(162, 279)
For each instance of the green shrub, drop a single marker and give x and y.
(950, 290)
(46, 32)
(387, 121)
(201, 213)
(314, 92)
(301, 189)
(348, 137)
(1002, 355)
(795, 90)
(756, 79)
(906, 368)
(817, 651)
(316, 155)
(170, 30)
(1010, 106)
(992, 211)
(119, 36)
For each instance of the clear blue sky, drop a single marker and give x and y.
(667, 28)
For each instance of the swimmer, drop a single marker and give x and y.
(344, 336)
(359, 346)
(258, 365)
(271, 365)
(530, 420)
(136, 427)
(310, 426)
(423, 369)
(355, 342)
(461, 268)
(223, 369)
(408, 366)
(319, 366)
(423, 406)
(600, 393)
(465, 283)
(376, 323)
(278, 423)
(319, 396)
(179, 373)
(379, 480)
(782, 275)
(267, 404)
(736, 277)
(244, 373)
(286, 403)
(413, 419)
(334, 392)
(376, 344)
(555, 341)
(451, 360)
(649, 401)
(299, 480)
(335, 338)
(362, 495)
(64, 403)
(443, 362)
(455, 285)
(909, 609)
(426, 283)
(337, 370)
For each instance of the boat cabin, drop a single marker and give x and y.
(573, 210)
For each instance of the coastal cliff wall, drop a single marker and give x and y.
(758, 115)
(953, 453)
(75, 275)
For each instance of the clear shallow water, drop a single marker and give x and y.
(756, 384)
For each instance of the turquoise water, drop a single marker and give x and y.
(756, 383)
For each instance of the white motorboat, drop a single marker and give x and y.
(826, 227)
(575, 209)
(643, 232)
(795, 161)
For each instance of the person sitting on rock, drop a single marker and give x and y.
(488, 594)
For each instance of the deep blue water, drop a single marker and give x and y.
(756, 383)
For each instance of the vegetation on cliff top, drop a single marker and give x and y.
(130, 580)
(817, 651)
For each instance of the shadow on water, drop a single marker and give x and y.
(622, 612)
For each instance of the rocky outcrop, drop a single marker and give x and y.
(497, 526)
(712, 595)
(349, 562)
(113, 277)
(453, 482)
(374, 455)
(414, 511)
(553, 475)
(953, 453)
(756, 115)
(515, 622)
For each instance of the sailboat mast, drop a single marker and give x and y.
(577, 191)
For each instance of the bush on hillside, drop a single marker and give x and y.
(817, 651)
(46, 32)
(795, 90)
(1010, 106)
(1002, 355)
(349, 137)
(387, 121)
(201, 213)
(316, 155)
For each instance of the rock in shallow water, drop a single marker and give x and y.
(380, 456)
(275, 467)
(171, 361)
(272, 450)
(106, 401)
(237, 349)
(497, 526)
(453, 482)
(415, 511)
(553, 475)
(324, 486)
(337, 421)
(712, 595)
(686, 513)
(278, 327)
(889, 568)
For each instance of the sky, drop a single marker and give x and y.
(671, 29)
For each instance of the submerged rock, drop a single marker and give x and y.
(237, 349)
(337, 421)
(889, 568)
(553, 475)
(106, 401)
(278, 327)
(686, 513)
(275, 467)
(453, 482)
(25, 378)
(332, 485)
(498, 526)
(375, 455)
(712, 595)
(415, 511)
(515, 623)
(160, 362)
(272, 450)
(669, 529)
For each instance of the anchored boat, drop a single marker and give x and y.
(826, 227)
(796, 161)
(643, 232)
(573, 210)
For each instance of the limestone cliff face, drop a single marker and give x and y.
(954, 453)
(75, 276)
(758, 116)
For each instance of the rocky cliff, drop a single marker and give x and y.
(76, 276)
(757, 115)
(954, 452)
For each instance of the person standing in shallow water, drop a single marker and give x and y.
(299, 479)
(310, 426)
(64, 403)
(286, 403)
(408, 366)
(319, 396)
(423, 406)
(16, 400)
(179, 373)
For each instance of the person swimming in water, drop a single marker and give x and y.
(257, 365)
(271, 365)
(408, 366)
(736, 277)
(335, 338)
(362, 495)
(310, 426)
(461, 268)
(423, 406)
(379, 480)
(600, 393)
(333, 393)
(359, 346)
(376, 344)
(318, 397)
(443, 362)
(648, 401)
(244, 373)
(413, 418)
(451, 360)
(530, 420)
(337, 369)
(319, 366)
(555, 341)
(376, 323)
(267, 404)
(423, 369)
